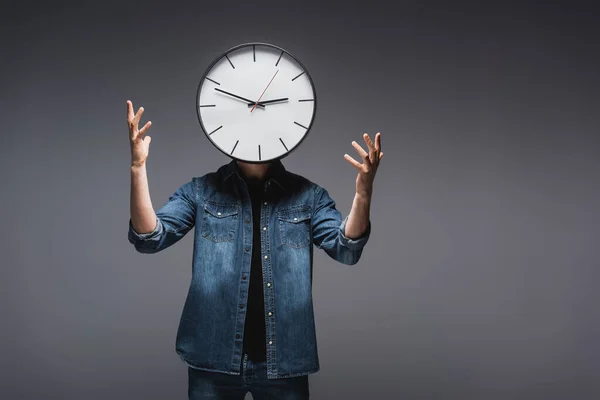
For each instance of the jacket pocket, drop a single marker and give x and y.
(219, 222)
(295, 226)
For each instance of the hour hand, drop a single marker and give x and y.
(262, 103)
(239, 97)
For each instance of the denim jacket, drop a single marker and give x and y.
(296, 214)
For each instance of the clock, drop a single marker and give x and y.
(256, 102)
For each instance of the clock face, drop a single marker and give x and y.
(256, 103)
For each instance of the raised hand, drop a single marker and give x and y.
(139, 145)
(366, 170)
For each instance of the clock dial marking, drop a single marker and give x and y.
(281, 140)
(259, 152)
(299, 75)
(207, 105)
(254, 52)
(213, 81)
(277, 63)
(234, 147)
(300, 125)
(229, 61)
(215, 130)
(306, 100)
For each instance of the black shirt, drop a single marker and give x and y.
(254, 326)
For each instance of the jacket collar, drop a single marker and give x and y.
(276, 172)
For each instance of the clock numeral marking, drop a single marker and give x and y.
(299, 75)
(215, 130)
(286, 149)
(234, 147)
(259, 153)
(213, 81)
(207, 105)
(229, 61)
(300, 125)
(254, 52)
(306, 100)
(277, 63)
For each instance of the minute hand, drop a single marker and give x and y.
(237, 97)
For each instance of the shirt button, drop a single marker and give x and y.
(265, 228)
(268, 284)
(218, 213)
(270, 342)
(265, 203)
(266, 257)
(295, 219)
(270, 313)
(247, 220)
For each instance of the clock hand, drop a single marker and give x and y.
(269, 101)
(269, 84)
(273, 101)
(238, 97)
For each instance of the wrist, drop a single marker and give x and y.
(138, 166)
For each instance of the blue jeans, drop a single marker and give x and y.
(253, 379)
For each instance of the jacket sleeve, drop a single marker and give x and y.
(173, 221)
(328, 231)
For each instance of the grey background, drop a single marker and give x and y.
(480, 278)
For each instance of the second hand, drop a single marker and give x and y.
(255, 104)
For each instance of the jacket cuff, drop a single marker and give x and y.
(135, 237)
(354, 244)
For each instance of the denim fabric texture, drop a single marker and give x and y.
(295, 215)
(253, 379)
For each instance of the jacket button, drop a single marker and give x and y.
(247, 220)
(247, 249)
(244, 277)
(241, 306)
(237, 335)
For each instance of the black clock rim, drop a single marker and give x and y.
(237, 47)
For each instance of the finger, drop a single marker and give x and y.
(369, 142)
(353, 161)
(381, 155)
(129, 110)
(371, 145)
(138, 115)
(145, 128)
(360, 150)
(378, 141)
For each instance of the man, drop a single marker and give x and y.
(247, 322)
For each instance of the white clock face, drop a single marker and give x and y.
(256, 102)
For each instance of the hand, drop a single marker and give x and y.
(269, 101)
(366, 170)
(262, 94)
(139, 145)
(250, 102)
